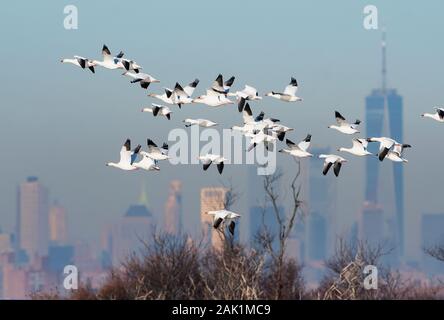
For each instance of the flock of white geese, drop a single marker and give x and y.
(259, 130)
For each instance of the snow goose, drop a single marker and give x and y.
(156, 153)
(396, 154)
(213, 99)
(143, 78)
(359, 148)
(166, 97)
(438, 115)
(127, 157)
(248, 93)
(158, 109)
(180, 96)
(109, 62)
(289, 94)
(199, 122)
(385, 144)
(220, 87)
(332, 160)
(209, 158)
(146, 163)
(280, 130)
(343, 126)
(298, 150)
(226, 217)
(80, 62)
(258, 137)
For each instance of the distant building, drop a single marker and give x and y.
(379, 102)
(322, 209)
(211, 198)
(32, 218)
(57, 225)
(173, 209)
(317, 237)
(372, 229)
(129, 234)
(432, 234)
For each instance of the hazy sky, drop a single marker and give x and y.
(63, 124)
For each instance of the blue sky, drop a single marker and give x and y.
(63, 124)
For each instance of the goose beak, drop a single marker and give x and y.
(422, 115)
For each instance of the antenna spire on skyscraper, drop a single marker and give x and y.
(384, 61)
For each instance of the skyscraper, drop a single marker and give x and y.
(32, 218)
(211, 198)
(133, 230)
(379, 102)
(322, 209)
(173, 209)
(57, 225)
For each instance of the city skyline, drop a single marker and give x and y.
(337, 64)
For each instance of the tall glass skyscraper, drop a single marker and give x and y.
(376, 104)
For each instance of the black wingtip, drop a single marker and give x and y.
(150, 143)
(308, 138)
(293, 81)
(230, 82)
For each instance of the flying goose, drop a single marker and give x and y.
(80, 62)
(180, 96)
(343, 126)
(200, 122)
(143, 78)
(146, 163)
(109, 62)
(298, 150)
(220, 87)
(209, 158)
(289, 94)
(129, 65)
(259, 136)
(156, 153)
(396, 154)
(359, 148)
(332, 160)
(224, 216)
(280, 130)
(165, 97)
(127, 157)
(438, 115)
(158, 109)
(248, 93)
(385, 144)
(213, 99)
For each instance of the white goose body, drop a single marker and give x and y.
(437, 116)
(213, 99)
(146, 163)
(343, 126)
(127, 157)
(248, 93)
(396, 154)
(143, 79)
(156, 153)
(224, 216)
(298, 150)
(385, 144)
(199, 122)
(289, 94)
(158, 109)
(359, 148)
(80, 62)
(209, 158)
(332, 160)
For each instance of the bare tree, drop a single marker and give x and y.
(436, 251)
(280, 266)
